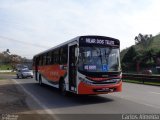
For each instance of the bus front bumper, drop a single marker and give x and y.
(84, 88)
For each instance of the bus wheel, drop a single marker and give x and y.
(40, 80)
(62, 87)
(22, 76)
(17, 76)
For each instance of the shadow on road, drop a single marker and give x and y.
(53, 99)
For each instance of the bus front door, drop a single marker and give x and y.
(72, 68)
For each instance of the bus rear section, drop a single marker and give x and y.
(83, 65)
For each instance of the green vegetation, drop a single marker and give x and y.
(8, 73)
(141, 82)
(10, 61)
(5, 67)
(2, 78)
(155, 43)
(132, 81)
(152, 83)
(145, 54)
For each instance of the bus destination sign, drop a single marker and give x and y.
(99, 41)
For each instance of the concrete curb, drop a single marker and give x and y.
(1, 71)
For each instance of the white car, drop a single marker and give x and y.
(24, 73)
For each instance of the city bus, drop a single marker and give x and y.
(83, 65)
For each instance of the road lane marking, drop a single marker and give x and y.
(48, 111)
(155, 93)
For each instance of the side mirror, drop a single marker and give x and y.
(76, 52)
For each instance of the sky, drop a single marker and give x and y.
(28, 27)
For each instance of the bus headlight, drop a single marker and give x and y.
(85, 80)
(115, 80)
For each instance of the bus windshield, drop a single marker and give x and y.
(99, 59)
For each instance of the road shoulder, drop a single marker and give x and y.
(15, 101)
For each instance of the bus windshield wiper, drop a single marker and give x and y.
(100, 55)
(107, 54)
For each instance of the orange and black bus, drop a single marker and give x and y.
(83, 65)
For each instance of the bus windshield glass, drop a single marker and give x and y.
(99, 59)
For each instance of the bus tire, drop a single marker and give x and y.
(22, 76)
(40, 80)
(17, 76)
(62, 87)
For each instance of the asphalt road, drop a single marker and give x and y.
(135, 98)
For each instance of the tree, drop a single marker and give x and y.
(145, 57)
(138, 58)
(6, 55)
(1, 58)
(148, 55)
(145, 40)
(157, 58)
(128, 57)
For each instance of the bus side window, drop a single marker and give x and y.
(41, 60)
(57, 56)
(63, 55)
(49, 58)
(60, 55)
(52, 57)
(44, 59)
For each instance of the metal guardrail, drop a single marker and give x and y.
(141, 77)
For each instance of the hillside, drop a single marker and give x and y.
(144, 55)
(154, 44)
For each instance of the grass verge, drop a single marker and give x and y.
(140, 82)
(6, 67)
(8, 73)
(2, 78)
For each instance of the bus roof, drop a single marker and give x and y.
(69, 41)
(72, 40)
